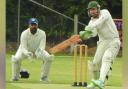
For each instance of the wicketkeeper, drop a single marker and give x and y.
(32, 43)
(101, 23)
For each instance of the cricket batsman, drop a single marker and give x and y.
(32, 43)
(101, 24)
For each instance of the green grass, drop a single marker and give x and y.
(61, 74)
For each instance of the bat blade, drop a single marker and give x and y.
(65, 44)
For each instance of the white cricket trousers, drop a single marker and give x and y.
(19, 56)
(106, 52)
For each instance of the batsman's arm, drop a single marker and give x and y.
(105, 16)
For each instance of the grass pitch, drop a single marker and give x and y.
(61, 74)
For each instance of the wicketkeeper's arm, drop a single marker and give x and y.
(43, 41)
(23, 45)
(23, 42)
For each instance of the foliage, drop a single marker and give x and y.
(55, 25)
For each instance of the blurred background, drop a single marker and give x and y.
(56, 18)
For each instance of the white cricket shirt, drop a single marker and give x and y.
(104, 26)
(30, 42)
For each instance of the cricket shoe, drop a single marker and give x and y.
(15, 79)
(45, 79)
(98, 83)
(91, 86)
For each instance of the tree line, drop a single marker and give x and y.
(56, 26)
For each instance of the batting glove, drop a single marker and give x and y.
(84, 35)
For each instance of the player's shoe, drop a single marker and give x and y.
(15, 79)
(45, 79)
(98, 83)
(91, 86)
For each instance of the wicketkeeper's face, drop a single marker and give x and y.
(94, 12)
(33, 27)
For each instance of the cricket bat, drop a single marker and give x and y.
(65, 44)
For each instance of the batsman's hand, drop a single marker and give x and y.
(84, 35)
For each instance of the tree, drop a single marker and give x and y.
(55, 25)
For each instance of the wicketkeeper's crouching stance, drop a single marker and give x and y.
(32, 43)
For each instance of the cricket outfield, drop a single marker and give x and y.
(61, 74)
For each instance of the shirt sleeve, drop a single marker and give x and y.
(94, 33)
(93, 30)
(43, 41)
(103, 17)
(23, 42)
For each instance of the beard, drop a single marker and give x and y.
(95, 16)
(33, 31)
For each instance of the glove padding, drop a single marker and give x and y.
(84, 35)
(24, 74)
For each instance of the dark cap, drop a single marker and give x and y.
(33, 20)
